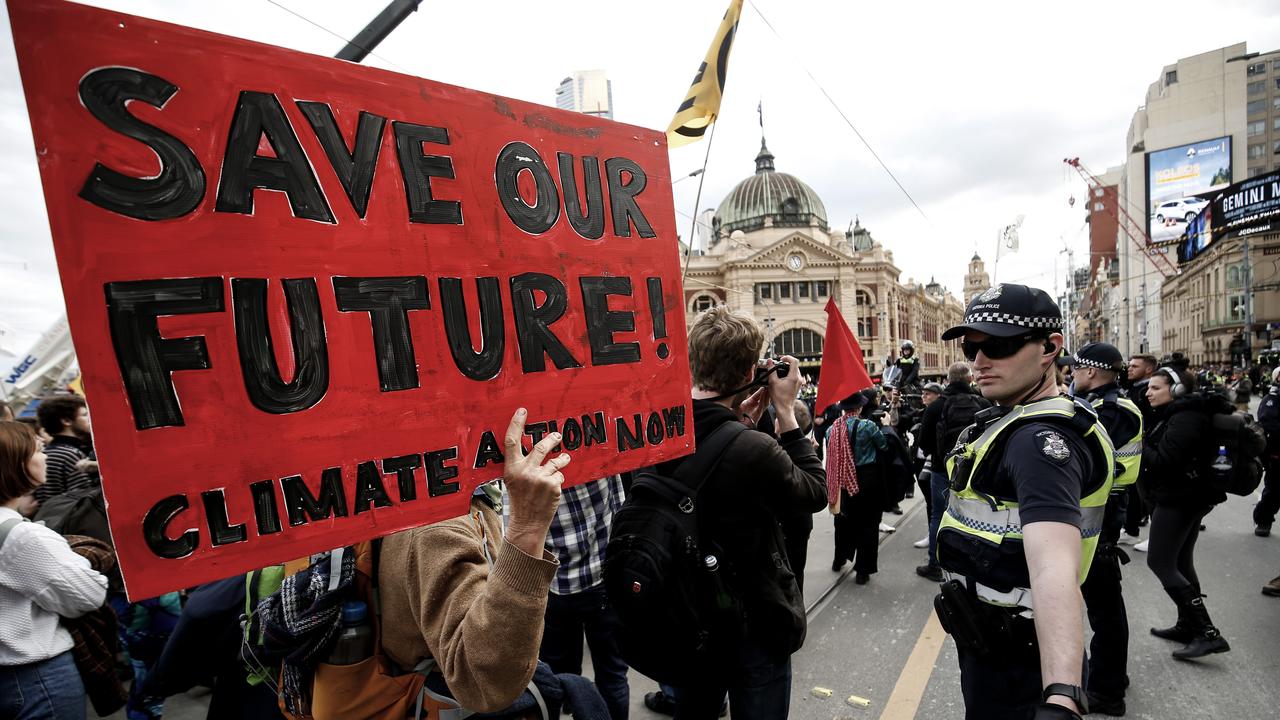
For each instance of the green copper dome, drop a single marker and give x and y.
(769, 194)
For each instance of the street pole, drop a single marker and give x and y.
(1248, 305)
(377, 30)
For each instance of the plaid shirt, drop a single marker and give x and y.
(580, 531)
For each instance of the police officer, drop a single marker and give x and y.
(1264, 513)
(1097, 367)
(1029, 484)
(909, 365)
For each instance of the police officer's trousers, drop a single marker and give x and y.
(1104, 602)
(1004, 683)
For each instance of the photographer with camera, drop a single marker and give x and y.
(758, 481)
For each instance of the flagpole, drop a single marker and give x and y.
(697, 200)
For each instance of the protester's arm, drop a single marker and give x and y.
(801, 483)
(54, 577)
(877, 437)
(1053, 560)
(484, 626)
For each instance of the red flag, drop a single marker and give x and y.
(843, 372)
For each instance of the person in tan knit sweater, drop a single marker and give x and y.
(441, 597)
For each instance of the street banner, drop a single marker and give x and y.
(308, 296)
(51, 351)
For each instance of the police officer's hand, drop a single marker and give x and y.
(1050, 711)
(533, 486)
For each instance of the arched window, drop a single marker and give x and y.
(863, 297)
(799, 342)
(703, 302)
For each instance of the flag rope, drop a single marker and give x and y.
(697, 200)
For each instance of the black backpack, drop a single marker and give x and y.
(1245, 443)
(676, 609)
(957, 414)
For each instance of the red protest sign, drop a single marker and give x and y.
(308, 295)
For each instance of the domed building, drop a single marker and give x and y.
(772, 254)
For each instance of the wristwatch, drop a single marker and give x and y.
(1075, 692)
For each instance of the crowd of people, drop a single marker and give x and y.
(1036, 465)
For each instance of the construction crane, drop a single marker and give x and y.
(1131, 227)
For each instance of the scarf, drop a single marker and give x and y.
(300, 622)
(842, 473)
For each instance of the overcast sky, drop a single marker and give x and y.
(972, 105)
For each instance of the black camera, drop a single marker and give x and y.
(763, 373)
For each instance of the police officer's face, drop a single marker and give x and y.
(1159, 391)
(1007, 379)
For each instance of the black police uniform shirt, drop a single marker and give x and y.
(1045, 468)
(1121, 425)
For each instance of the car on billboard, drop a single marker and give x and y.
(1180, 210)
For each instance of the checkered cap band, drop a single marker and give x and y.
(1047, 323)
(1085, 362)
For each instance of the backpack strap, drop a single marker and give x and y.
(8, 525)
(695, 469)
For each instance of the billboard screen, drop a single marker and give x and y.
(1178, 181)
(1252, 206)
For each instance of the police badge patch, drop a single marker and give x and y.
(1055, 446)
(990, 293)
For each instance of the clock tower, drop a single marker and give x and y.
(977, 280)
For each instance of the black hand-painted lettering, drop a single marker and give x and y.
(533, 321)
(146, 359)
(484, 364)
(438, 474)
(418, 169)
(155, 529)
(179, 186)
(244, 170)
(221, 532)
(590, 224)
(593, 429)
(489, 450)
(515, 158)
(370, 492)
(404, 466)
(630, 437)
(354, 167)
(658, 311)
(267, 391)
(622, 198)
(265, 509)
(303, 507)
(388, 301)
(602, 322)
(572, 434)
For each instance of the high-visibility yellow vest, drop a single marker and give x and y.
(1128, 455)
(990, 526)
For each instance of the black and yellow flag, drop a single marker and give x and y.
(702, 103)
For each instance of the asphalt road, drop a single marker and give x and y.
(879, 641)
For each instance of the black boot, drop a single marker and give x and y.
(1181, 630)
(1206, 638)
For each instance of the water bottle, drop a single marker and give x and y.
(723, 600)
(355, 639)
(1221, 468)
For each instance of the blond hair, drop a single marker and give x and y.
(723, 347)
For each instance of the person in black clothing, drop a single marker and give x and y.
(1141, 367)
(908, 365)
(1264, 513)
(1175, 455)
(758, 481)
(1097, 367)
(937, 438)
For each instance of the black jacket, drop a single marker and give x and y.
(1176, 453)
(1269, 419)
(759, 481)
(932, 416)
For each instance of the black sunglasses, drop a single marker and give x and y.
(996, 348)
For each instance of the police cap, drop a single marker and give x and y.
(1007, 310)
(1100, 355)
